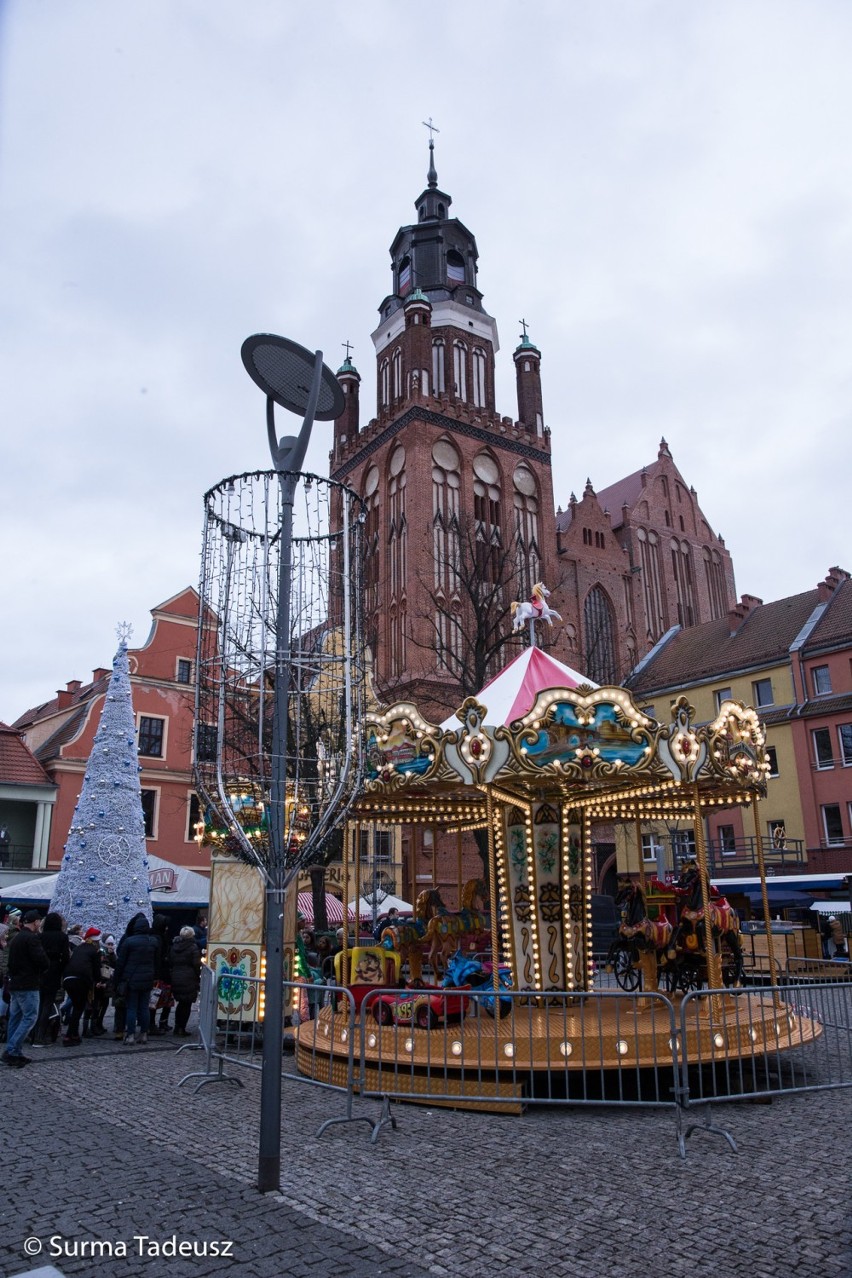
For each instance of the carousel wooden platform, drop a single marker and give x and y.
(467, 1063)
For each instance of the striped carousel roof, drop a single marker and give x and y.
(511, 693)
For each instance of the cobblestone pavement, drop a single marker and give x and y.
(106, 1146)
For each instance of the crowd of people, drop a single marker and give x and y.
(61, 979)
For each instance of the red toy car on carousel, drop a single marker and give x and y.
(423, 1006)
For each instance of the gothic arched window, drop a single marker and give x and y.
(397, 554)
(372, 553)
(384, 380)
(397, 374)
(439, 377)
(526, 528)
(460, 369)
(716, 590)
(479, 367)
(684, 585)
(649, 554)
(487, 517)
(599, 637)
(446, 484)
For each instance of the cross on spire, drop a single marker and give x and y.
(348, 347)
(523, 324)
(433, 128)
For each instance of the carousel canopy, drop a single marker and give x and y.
(333, 907)
(510, 694)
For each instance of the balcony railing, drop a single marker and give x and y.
(16, 856)
(735, 859)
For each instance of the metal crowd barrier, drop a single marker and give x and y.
(599, 1047)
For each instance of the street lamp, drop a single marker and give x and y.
(300, 382)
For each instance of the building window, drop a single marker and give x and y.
(762, 692)
(460, 370)
(149, 813)
(455, 268)
(397, 374)
(384, 373)
(823, 754)
(206, 742)
(479, 378)
(193, 816)
(821, 679)
(727, 840)
(650, 844)
(716, 588)
(844, 736)
(683, 842)
(439, 377)
(184, 670)
(151, 733)
(772, 759)
(720, 695)
(832, 823)
(382, 849)
(599, 636)
(777, 832)
(404, 276)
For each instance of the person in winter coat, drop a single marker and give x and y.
(160, 929)
(27, 964)
(135, 971)
(185, 963)
(58, 951)
(82, 974)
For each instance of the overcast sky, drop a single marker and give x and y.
(662, 189)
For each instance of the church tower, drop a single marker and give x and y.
(447, 479)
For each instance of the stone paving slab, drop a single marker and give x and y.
(113, 1148)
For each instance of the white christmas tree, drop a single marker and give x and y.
(103, 879)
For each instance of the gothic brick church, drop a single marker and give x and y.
(461, 516)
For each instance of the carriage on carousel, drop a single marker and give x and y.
(661, 942)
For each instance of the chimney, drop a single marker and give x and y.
(73, 685)
(739, 612)
(63, 698)
(99, 674)
(833, 578)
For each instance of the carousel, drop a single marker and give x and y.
(535, 760)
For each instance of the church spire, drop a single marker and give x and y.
(432, 175)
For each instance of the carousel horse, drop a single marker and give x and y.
(444, 928)
(724, 920)
(534, 610)
(651, 937)
(407, 940)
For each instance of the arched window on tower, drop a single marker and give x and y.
(372, 553)
(599, 637)
(446, 484)
(439, 377)
(384, 379)
(455, 268)
(397, 374)
(526, 529)
(479, 367)
(460, 370)
(397, 555)
(487, 518)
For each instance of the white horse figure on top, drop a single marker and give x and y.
(534, 610)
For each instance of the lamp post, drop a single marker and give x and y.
(293, 378)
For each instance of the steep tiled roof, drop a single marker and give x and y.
(835, 624)
(50, 748)
(625, 490)
(18, 764)
(703, 651)
(83, 694)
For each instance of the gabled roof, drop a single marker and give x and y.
(83, 694)
(18, 764)
(835, 624)
(710, 650)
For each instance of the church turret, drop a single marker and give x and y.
(527, 359)
(346, 425)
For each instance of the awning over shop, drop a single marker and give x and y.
(832, 907)
(333, 907)
(780, 899)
